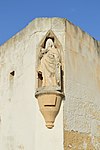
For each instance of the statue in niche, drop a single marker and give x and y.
(50, 64)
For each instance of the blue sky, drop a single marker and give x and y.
(16, 14)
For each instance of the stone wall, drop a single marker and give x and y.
(82, 89)
(22, 126)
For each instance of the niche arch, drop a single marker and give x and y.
(57, 44)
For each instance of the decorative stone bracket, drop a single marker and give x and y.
(49, 104)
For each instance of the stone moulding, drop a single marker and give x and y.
(49, 104)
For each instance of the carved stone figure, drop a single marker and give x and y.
(49, 90)
(50, 64)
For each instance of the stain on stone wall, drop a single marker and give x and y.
(75, 140)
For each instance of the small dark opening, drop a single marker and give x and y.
(52, 38)
(40, 79)
(40, 75)
(12, 73)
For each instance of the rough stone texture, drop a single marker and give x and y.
(80, 141)
(82, 89)
(21, 124)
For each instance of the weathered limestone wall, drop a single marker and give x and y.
(82, 89)
(22, 126)
(17, 104)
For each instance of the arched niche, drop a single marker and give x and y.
(39, 74)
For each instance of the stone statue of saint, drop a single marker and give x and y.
(50, 64)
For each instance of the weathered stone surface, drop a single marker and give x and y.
(82, 89)
(21, 124)
(80, 141)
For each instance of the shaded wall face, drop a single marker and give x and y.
(82, 91)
